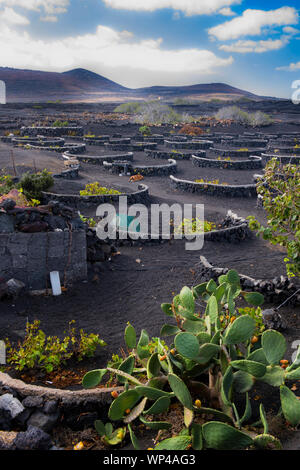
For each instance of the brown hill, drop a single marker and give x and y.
(83, 85)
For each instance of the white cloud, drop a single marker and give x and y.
(290, 30)
(189, 7)
(106, 49)
(252, 22)
(49, 6)
(226, 12)
(8, 15)
(255, 46)
(49, 19)
(293, 67)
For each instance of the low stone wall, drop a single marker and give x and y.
(284, 150)
(274, 290)
(119, 140)
(177, 138)
(96, 140)
(284, 142)
(38, 141)
(44, 407)
(295, 160)
(30, 257)
(142, 146)
(74, 148)
(174, 154)
(234, 153)
(253, 163)
(99, 160)
(72, 173)
(158, 139)
(246, 143)
(233, 229)
(52, 131)
(193, 145)
(118, 147)
(140, 196)
(145, 170)
(217, 139)
(217, 190)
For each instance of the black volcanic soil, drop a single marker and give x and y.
(126, 290)
(133, 285)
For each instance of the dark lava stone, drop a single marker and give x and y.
(33, 439)
(8, 204)
(32, 402)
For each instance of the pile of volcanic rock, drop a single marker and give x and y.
(54, 216)
(98, 250)
(35, 417)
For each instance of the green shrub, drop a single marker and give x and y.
(94, 189)
(59, 123)
(48, 353)
(281, 200)
(132, 107)
(145, 130)
(155, 113)
(6, 184)
(33, 184)
(194, 225)
(236, 114)
(88, 220)
(203, 370)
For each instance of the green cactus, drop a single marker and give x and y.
(153, 366)
(133, 438)
(93, 378)
(169, 330)
(267, 442)
(221, 436)
(290, 405)
(212, 309)
(126, 366)
(155, 425)
(130, 337)
(125, 401)
(213, 357)
(240, 330)
(167, 309)
(227, 386)
(174, 443)
(142, 347)
(181, 391)
(151, 392)
(274, 346)
(254, 298)
(160, 406)
(274, 376)
(254, 368)
(197, 437)
(187, 345)
(243, 381)
(108, 435)
(232, 277)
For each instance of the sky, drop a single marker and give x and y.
(249, 44)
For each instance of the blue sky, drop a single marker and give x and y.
(249, 44)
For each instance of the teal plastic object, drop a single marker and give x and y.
(128, 223)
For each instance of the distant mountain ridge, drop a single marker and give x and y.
(83, 85)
